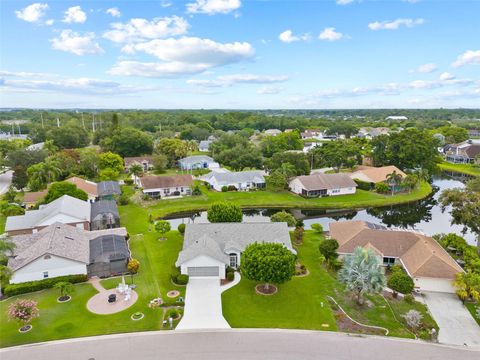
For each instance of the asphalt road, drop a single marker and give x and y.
(5, 181)
(235, 345)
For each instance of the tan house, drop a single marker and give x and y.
(375, 175)
(32, 197)
(166, 186)
(89, 187)
(429, 265)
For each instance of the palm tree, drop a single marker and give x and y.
(5, 276)
(362, 273)
(410, 181)
(393, 180)
(136, 170)
(6, 247)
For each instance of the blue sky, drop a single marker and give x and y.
(241, 54)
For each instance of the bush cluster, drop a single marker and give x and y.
(181, 279)
(181, 228)
(363, 185)
(31, 286)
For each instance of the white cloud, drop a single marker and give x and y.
(142, 29)
(165, 3)
(75, 14)
(75, 43)
(211, 7)
(288, 37)
(156, 70)
(344, 2)
(412, 1)
(468, 57)
(32, 13)
(395, 24)
(49, 22)
(230, 80)
(446, 76)
(329, 34)
(269, 90)
(427, 68)
(114, 12)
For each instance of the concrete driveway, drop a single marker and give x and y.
(457, 326)
(203, 305)
(5, 181)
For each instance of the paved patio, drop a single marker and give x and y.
(99, 304)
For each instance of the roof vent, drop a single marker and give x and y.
(69, 238)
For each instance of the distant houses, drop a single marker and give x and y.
(204, 145)
(90, 187)
(146, 162)
(320, 184)
(430, 266)
(396, 117)
(166, 186)
(108, 190)
(462, 153)
(374, 175)
(272, 132)
(241, 180)
(196, 162)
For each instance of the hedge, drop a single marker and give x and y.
(31, 286)
(363, 185)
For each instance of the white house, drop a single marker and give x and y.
(197, 162)
(320, 184)
(208, 249)
(57, 250)
(166, 186)
(204, 145)
(242, 180)
(272, 132)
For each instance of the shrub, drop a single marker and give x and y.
(123, 199)
(224, 188)
(363, 185)
(409, 299)
(230, 276)
(31, 286)
(182, 279)
(232, 188)
(175, 273)
(328, 248)
(181, 228)
(317, 227)
(133, 266)
(283, 216)
(13, 210)
(196, 191)
(173, 313)
(128, 181)
(400, 282)
(298, 234)
(381, 188)
(413, 318)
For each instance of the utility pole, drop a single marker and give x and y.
(41, 116)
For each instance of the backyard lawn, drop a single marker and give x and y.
(298, 303)
(468, 169)
(72, 319)
(283, 199)
(474, 310)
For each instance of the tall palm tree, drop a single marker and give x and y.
(362, 273)
(6, 247)
(393, 180)
(136, 170)
(5, 276)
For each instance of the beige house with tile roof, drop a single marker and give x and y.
(375, 175)
(430, 266)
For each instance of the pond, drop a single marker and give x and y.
(425, 215)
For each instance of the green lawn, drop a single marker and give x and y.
(3, 219)
(283, 199)
(72, 319)
(297, 305)
(468, 169)
(472, 307)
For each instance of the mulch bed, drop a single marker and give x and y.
(262, 290)
(25, 328)
(137, 316)
(173, 293)
(63, 299)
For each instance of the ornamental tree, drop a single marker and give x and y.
(413, 318)
(283, 216)
(268, 263)
(362, 273)
(400, 282)
(224, 212)
(317, 228)
(328, 248)
(162, 227)
(66, 288)
(23, 310)
(133, 266)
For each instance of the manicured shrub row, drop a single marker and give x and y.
(363, 185)
(31, 286)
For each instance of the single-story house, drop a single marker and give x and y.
(463, 153)
(31, 198)
(375, 175)
(272, 132)
(320, 184)
(208, 249)
(104, 215)
(35, 147)
(242, 180)
(429, 265)
(204, 145)
(65, 209)
(89, 187)
(474, 132)
(311, 134)
(145, 161)
(370, 133)
(197, 162)
(60, 250)
(165, 186)
(108, 190)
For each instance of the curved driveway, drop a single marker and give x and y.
(236, 345)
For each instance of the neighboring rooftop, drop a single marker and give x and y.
(34, 196)
(190, 160)
(326, 181)
(104, 207)
(107, 188)
(227, 177)
(89, 187)
(375, 174)
(129, 161)
(158, 182)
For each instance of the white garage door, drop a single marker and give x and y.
(203, 271)
(438, 285)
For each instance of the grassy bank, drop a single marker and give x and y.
(472, 308)
(468, 169)
(284, 199)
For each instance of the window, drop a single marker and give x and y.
(233, 260)
(45, 274)
(388, 261)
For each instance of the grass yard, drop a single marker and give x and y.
(3, 219)
(283, 199)
(72, 319)
(297, 305)
(474, 310)
(468, 169)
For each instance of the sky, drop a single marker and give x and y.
(240, 54)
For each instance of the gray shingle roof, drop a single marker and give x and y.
(106, 188)
(104, 207)
(226, 178)
(66, 207)
(189, 160)
(215, 240)
(320, 181)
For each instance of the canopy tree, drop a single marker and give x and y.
(61, 188)
(224, 212)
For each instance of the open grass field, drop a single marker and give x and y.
(283, 199)
(298, 303)
(468, 169)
